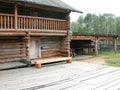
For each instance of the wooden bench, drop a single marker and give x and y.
(38, 64)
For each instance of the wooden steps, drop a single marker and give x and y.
(38, 63)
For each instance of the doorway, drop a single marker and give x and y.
(35, 51)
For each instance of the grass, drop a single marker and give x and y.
(111, 58)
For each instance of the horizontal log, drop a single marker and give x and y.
(64, 52)
(13, 30)
(53, 54)
(64, 55)
(12, 53)
(44, 50)
(50, 52)
(51, 47)
(11, 46)
(12, 56)
(48, 31)
(47, 34)
(12, 34)
(12, 60)
(11, 50)
(9, 37)
(11, 43)
(64, 48)
(50, 44)
(57, 55)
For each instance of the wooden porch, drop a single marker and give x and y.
(74, 76)
(37, 62)
(36, 26)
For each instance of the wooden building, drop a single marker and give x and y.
(34, 29)
(82, 44)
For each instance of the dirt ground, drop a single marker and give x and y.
(94, 60)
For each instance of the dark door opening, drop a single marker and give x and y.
(81, 47)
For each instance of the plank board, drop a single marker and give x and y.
(74, 76)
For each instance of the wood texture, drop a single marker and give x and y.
(74, 76)
(11, 48)
(95, 39)
(30, 22)
(65, 46)
(24, 21)
(50, 47)
(15, 16)
(38, 63)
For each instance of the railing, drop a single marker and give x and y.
(6, 21)
(33, 23)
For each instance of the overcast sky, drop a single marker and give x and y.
(94, 6)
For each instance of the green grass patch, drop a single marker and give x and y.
(113, 62)
(111, 58)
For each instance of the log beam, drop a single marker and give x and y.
(38, 64)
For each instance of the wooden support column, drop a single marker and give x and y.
(15, 15)
(96, 47)
(27, 46)
(115, 44)
(69, 34)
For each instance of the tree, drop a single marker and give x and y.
(97, 24)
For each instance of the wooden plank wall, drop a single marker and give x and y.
(11, 49)
(50, 47)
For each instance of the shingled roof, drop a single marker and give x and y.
(52, 3)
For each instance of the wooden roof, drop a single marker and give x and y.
(51, 3)
(92, 37)
(87, 34)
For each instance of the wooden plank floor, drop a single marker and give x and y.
(74, 76)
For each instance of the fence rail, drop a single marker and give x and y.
(28, 22)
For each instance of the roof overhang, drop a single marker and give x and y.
(50, 3)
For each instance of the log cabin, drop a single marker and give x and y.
(34, 29)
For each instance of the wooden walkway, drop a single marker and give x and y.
(74, 76)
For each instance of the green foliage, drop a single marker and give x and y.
(97, 24)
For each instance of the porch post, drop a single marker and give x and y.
(15, 15)
(69, 34)
(115, 45)
(96, 47)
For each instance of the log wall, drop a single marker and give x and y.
(65, 43)
(65, 47)
(11, 49)
(50, 47)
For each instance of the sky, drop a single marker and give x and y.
(94, 7)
